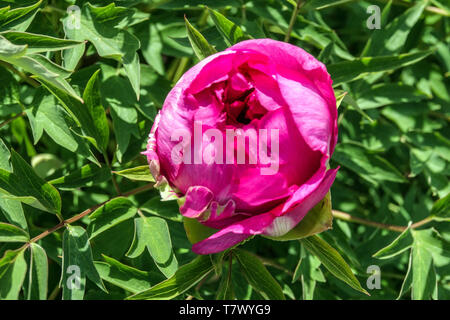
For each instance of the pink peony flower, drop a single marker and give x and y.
(279, 100)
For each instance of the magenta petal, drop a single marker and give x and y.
(294, 60)
(197, 201)
(234, 234)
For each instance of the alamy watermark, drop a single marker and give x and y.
(241, 147)
(73, 20)
(374, 20)
(374, 280)
(73, 281)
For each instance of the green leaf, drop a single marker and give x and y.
(18, 18)
(432, 241)
(34, 191)
(12, 233)
(309, 273)
(230, 31)
(90, 116)
(441, 209)
(226, 288)
(348, 99)
(123, 276)
(153, 233)
(86, 176)
(11, 209)
(109, 215)
(37, 43)
(141, 173)
(370, 167)
(388, 93)
(164, 209)
(195, 231)
(402, 243)
(35, 64)
(38, 274)
(200, 45)
(92, 98)
(424, 281)
(407, 282)
(185, 278)
(46, 115)
(102, 27)
(13, 269)
(151, 47)
(332, 260)
(258, 276)
(318, 219)
(390, 39)
(77, 257)
(347, 71)
(117, 94)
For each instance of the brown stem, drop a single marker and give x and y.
(346, 217)
(85, 213)
(292, 22)
(6, 122)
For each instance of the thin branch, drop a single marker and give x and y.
(287, 37)
(6, 122)
(84, 213)
(346, 217)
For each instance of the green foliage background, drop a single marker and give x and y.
(77, 104)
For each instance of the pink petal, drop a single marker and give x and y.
(196, 202)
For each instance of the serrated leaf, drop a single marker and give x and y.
(258, 276)
(123, 276)
(38, 273)
(200, 45)
(77, 261)
(332, 260)
(34, 191)
(141, 173)
(184, 278)
(13, 269)
(153, 233)
(12, 233)
(230, 31)
(109, 215)
(351, 70)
